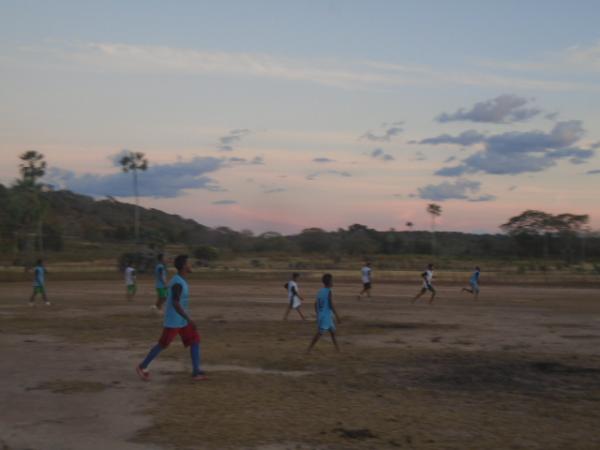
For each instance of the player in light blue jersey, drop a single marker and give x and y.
(177, 322)
(474, 283)
(160, 282)
(325, 313)
(39, 283)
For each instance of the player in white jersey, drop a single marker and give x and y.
(427, 284)
(130, 281)
(365, 275)
(294, 298)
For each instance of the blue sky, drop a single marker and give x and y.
(286, 115)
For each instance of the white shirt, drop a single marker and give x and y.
(129, 276)
(366, 274)
(291, 285)
(428, 278)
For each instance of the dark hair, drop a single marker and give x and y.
(159, 256)
(180, 261)
(295, 275)
(327, 278)
(430, 265)
(39, 262)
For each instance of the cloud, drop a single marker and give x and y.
(420, 156)
(505, 108)
(347, 74)
(224, 202)
(595, 145)
(233, 137)
(593, 172)
(519, 152)
(466, 138)
(460, 189)
(378, 153)
(450, 159)
(160, 180)
(274, 190)
(390, 131)
(551, 116)
(317, 174)
(323, 160)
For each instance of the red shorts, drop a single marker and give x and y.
(188, 334)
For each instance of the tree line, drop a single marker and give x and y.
(35, 219)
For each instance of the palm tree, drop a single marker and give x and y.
(434, 211)
(32, 168)
(409, 225)
(132, 162)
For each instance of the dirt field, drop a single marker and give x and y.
(519, 369)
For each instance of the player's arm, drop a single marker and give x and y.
(333, 307)
(38, 278)
(163, 275)
(176, 291)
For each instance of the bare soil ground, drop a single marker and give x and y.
(518, 369)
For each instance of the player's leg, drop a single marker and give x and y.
(165, 339)
(32, 298)
(300, 312)
(287, 312)
(45, 297)
(433, 292)
(419, 295)
(334, 340)
(314, 341)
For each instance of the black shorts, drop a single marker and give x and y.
(367, 285)
(429, 288)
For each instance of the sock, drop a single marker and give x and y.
(151, 355)
(195, 354)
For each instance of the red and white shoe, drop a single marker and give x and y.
(143, 373)
(201, 376)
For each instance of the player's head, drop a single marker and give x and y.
(368, 263)
(39, 262)
(159, 257)
(327, 280)
(477, 268)
(129, 263)
(430, 266)
(295, 276)
(181, 264)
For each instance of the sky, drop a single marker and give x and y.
(282, 115)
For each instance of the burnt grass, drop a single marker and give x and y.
(498, 372)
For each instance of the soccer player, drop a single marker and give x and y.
(365, 274)
(130, 281)
(177, 322)
(427, 284)
(474, 282)
(294, 298)
(160, 276)
(39, 283)
(325, 313)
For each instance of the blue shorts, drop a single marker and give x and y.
(326, 324)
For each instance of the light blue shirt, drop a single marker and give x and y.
(172, 317)
(324, 312)
(39, 273)
(160, 275)
(475, 277)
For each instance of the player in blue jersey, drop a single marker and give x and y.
(474, 283)
(177, 322)
(39, 283)
(325, 313)
(160, 282)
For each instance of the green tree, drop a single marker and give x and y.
(31, 207)
(134, 162)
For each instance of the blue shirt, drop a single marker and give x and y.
(172, 317)
(475, 277)
(39, 272)
(160, 275)
(324, 312)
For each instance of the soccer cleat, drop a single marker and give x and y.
(48, 303)
(143, 373)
